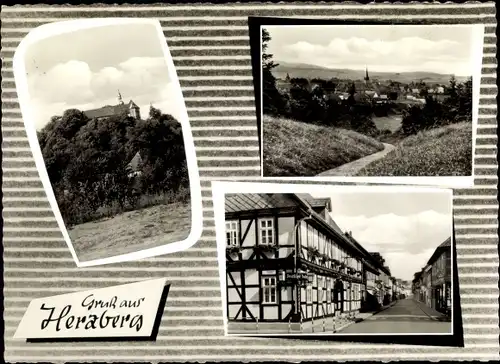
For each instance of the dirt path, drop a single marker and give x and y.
(351, 168)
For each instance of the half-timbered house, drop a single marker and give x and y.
(287, 260)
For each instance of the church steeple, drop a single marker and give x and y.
(367, 78)
(120, 100)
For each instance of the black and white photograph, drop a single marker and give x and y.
(112, 135)
(340, 261)
(369, 100)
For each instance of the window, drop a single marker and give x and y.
(309, 236)
(266, 231)
(232, 233)
(309, 294)
(303, 234)
(321, 246)
(335, 253)
(269, 289)
(320, 289)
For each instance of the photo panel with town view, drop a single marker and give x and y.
(367, 100)
(108, 128)
(338, 260)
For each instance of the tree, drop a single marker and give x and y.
(87, 160)
(272, 101)
(154, 113)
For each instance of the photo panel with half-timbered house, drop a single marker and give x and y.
(293, 264)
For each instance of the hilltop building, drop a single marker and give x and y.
(130, 109)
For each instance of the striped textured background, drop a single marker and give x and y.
(210, 47)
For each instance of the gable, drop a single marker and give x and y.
(135, 162)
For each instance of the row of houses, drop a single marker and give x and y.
(287, 260)
(432, 284)
(372, 92)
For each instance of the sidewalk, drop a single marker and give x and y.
(319, 326)
(429, 311)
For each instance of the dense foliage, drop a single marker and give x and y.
(456, 108)
(87, 161)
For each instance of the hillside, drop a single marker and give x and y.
(445, 151)
(300, 70)
(131, 231)
(293, 148)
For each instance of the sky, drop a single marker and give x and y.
(404, 227)
(85, 69)
(440, 49)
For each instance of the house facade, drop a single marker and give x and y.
(287, 260)
(440, 263)
(432, 285)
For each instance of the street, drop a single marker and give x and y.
(405, 316)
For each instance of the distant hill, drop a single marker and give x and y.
(301, 70)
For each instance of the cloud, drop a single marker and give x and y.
(70, 80)
(405, 242)
(74, 85)
(389, 232)
(405, 53)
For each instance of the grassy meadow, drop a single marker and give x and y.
(297, 149)
(444, 151)
(132, 231)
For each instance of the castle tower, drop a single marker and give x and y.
(120, 100)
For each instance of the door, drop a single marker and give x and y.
(339, 296)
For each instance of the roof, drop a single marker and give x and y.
(314, 202)
(135, 162)
(445, 245)
(257, 201)
(109, 110)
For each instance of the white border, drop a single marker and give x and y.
(54, 29)
(219, 190)
(477, 31)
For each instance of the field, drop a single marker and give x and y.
(293, 148)
(390, 122)
(132, 231)
(445, 151)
